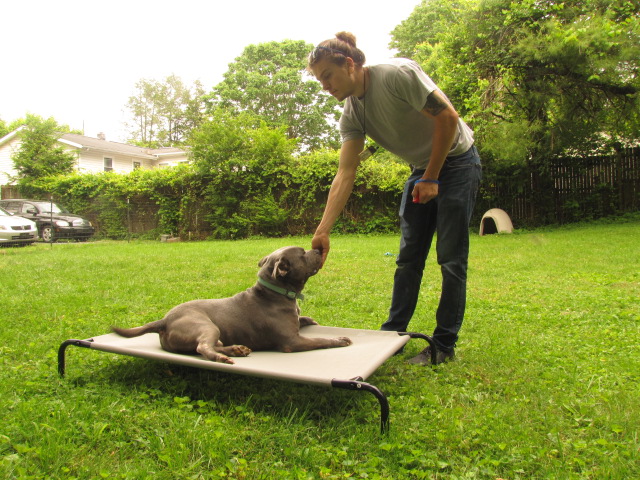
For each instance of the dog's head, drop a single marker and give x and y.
(290, 266)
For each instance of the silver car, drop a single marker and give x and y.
(16, 230)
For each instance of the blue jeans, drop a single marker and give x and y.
(449, 214)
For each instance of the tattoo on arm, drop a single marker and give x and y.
(435, 103)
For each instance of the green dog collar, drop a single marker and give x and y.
(282, 291)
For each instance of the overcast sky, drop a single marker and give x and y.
(79, 60)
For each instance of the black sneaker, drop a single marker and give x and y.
(424, 357)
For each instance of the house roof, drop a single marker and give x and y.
(10, 135)
(167, 151)
(90, 143)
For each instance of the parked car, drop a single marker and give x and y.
(53, 221)
(16, 230)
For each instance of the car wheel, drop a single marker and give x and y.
(47, 234)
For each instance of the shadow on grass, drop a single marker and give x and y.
(208, 391)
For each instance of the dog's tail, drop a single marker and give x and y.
(152, 327)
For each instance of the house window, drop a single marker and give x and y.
(108, 164)
(137, 165)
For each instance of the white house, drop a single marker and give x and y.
(96, 155)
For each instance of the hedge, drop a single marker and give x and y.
(228, 203)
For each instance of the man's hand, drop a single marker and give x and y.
(320, 241)
(424, 192)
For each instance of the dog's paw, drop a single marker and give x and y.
(238, 351)
(304, 321)
(224, 359)
(343, 341)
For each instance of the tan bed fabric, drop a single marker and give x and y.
(369, 350)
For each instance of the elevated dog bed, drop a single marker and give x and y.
(346, 367)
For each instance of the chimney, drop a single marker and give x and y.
(102, 136)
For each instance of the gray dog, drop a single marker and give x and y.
(263, 317)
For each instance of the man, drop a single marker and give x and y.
(402, 109)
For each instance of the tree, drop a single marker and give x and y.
(4, 128)
(239, 144)
(164, 113)
(423, 28)
(535, 78)
(242, 160)
(40, 155)
(270, 80)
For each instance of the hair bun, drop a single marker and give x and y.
(347, 37)
(338, 50)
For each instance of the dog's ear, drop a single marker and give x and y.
(281, 268)
(263, 261)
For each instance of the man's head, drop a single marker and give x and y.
(337, 64)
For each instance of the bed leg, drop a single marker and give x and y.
(356, 384)
(429, 341)
(63, 348)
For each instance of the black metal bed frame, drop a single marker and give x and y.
(355, 384)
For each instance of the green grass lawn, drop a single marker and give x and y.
(546, 384)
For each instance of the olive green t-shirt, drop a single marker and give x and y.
(390, 113)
